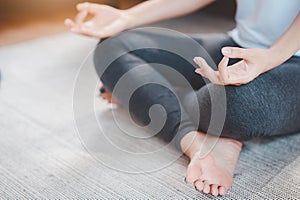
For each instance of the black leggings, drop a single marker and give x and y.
(267, 106)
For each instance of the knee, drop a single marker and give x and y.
(109, 50)
(239, 122)
(119, 44)
(106, 51)
(236, 109)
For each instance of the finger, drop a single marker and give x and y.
(223, 70)
(206, 70)
(89, 7)
(83, 6)
(69, 23)
(83, 31)
(201, 72)
(202, 64)
(79, 19)
(213, 76)
(235, 52)
(200, 69)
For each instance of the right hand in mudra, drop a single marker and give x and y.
(105, 20)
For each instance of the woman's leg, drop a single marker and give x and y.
(177, 120)
(267, 106)
(152, 87)
(207, 45)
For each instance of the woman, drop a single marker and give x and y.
(260, 80)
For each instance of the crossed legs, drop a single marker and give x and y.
(248, 111)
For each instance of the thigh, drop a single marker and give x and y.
(267, 106)
(172, 49)
(180, 54)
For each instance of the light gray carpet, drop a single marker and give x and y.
(41, 155)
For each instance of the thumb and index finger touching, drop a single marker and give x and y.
(83, 10)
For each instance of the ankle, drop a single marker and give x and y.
(238, 144)
(191, 143)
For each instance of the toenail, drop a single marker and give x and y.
(102, 90)
(185, 180)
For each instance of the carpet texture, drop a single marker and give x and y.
(42, 156)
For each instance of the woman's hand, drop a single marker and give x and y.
(254, 62)
(105, 21)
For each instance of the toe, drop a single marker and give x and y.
(199, 185)
(214, 190)
(222, 190)
(206, 188)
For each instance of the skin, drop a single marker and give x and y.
(254, 61)
(107, 21)
(108, 96)
(212, 160)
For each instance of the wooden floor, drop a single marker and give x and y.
(15, 29)
(30, 30)
(18, 25)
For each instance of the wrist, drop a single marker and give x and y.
(128, 19)
(274, 58)
(131, 18)
(278, 55)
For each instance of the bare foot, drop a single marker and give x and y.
(105, 94)
(211, 171)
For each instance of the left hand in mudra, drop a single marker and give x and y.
(254, 62)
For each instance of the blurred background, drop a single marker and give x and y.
(22, 20)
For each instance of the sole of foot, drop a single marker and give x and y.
(212, 162)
